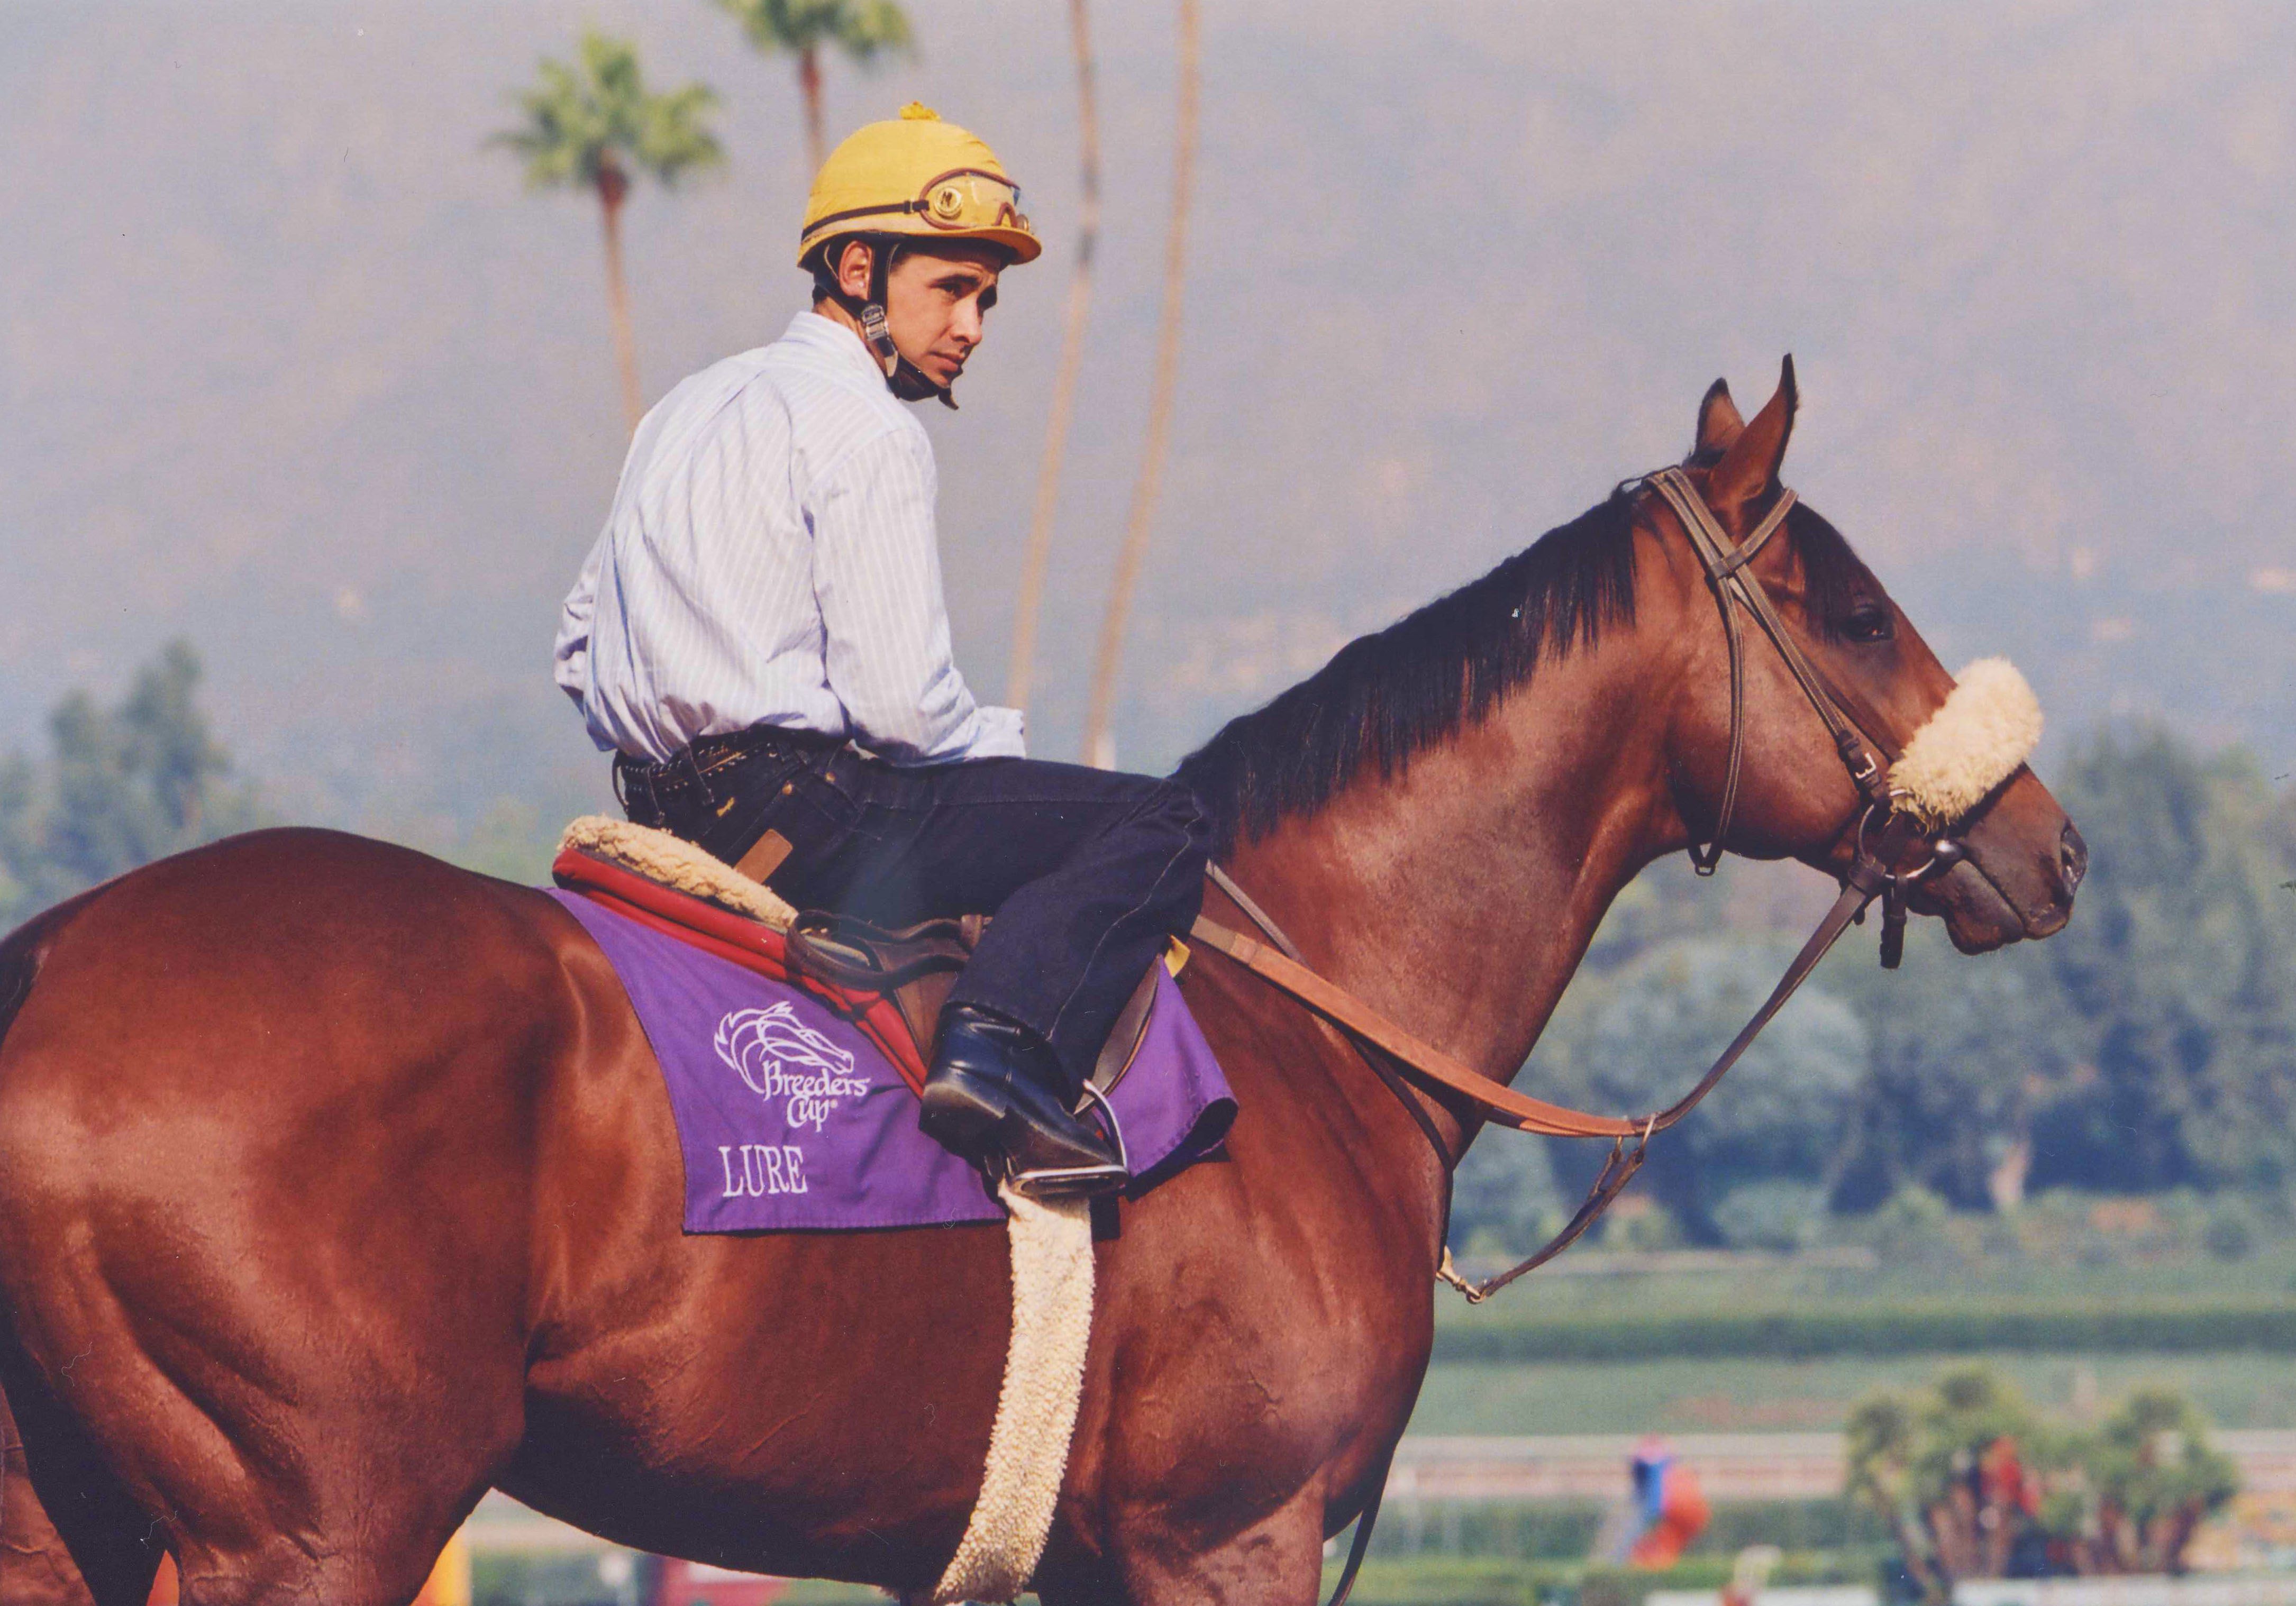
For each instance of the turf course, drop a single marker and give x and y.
(1749, 1394)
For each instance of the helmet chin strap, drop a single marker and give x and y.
(903, 377)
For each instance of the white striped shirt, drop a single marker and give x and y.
(771, 559)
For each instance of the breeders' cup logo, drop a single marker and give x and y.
(779, 1057)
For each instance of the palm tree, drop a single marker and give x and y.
(1100, 742)
(592, 125)
(864, 29)
(1056, 426)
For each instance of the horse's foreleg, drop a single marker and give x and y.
(1277, 1562)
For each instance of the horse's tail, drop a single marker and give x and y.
(113, 1553)
(24, 950)
(19, 963)
(22, 953)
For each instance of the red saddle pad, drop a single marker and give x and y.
(742, 941)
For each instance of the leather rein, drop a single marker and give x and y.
(1884, 835)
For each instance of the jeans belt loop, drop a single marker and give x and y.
(694, 771)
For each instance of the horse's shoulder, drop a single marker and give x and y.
(1253, 1028)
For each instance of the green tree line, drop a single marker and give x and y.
(119, 787)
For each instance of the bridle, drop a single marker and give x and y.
(1864, 753)
(1891, 852)
(1726, 562)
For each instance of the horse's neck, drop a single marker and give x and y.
(1458, 898)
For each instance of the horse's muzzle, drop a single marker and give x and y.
(2024, 863)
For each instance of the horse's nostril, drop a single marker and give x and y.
(2072, 859)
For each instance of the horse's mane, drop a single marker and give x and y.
(1387, 697)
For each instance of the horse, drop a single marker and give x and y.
(339, 1185)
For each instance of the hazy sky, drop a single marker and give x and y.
(291, 365)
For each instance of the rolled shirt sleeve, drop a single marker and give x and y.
(877, 580)
(1003, 734)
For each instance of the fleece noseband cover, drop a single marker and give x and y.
(1977, 740)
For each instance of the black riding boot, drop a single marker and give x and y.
(998, 1096)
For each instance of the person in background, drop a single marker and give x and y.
(1669, 1510)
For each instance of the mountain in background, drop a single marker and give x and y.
(290, 367)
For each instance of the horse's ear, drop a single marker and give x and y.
(1749, 468)
(1719, 424)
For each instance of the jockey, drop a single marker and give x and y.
(760, 637)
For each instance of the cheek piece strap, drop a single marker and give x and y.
(903, 377)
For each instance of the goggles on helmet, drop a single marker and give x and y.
(961, 201)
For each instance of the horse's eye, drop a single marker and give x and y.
(1869, 622)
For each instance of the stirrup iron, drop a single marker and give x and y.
(1079, 1182)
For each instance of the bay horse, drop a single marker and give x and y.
(339, 1185)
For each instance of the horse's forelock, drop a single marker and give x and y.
(1834, 579)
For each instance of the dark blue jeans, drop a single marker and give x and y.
(1088, 872)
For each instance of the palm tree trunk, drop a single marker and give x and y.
(1056, 426)
(1100, 740)
(808, 85)
(613, 189)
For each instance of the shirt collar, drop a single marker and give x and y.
(834, 340)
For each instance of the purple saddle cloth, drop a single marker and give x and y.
(789, 1117)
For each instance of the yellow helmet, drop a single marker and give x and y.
(916, 175)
